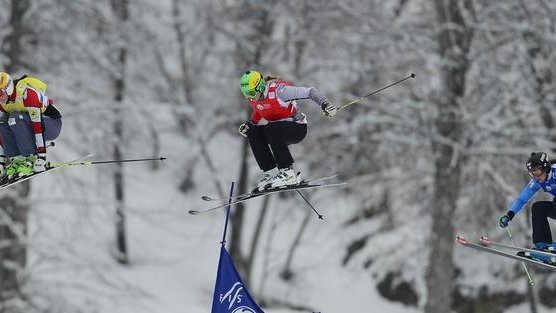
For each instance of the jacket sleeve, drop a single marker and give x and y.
(33, 101)
(289, 93)
(526, 194)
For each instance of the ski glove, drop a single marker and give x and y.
(243, 129)
(328, 109)
(505, 220)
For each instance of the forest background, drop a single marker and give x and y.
(439, 155)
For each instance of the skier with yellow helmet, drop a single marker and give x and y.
(276, 122)
(27, 119)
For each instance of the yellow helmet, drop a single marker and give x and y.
(252, 82)
(6, 83)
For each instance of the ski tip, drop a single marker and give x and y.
(412, 75)
(162, 158)
(485, 240)
(193, 212)
(462, 240)
(206, 198)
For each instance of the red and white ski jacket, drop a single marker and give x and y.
(278, 103)
(270, 108)
(34, 103)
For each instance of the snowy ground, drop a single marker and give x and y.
(174, 255)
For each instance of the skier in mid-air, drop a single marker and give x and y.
(275, 123)
(27, 119)
(543, 176)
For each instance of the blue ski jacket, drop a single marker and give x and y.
(534, 185)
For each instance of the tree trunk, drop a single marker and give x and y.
(255, 241)
(540, 53)
(122, 255)
(184, 120)
(13, 233)
(454, 40)
(12, 44)
(237, 216)
(14, 203)
(248, 59)
(287, 273)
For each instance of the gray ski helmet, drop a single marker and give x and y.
(538, 160)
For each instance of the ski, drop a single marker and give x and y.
(487, 242)
(241, 195)
(249, 196)
(466, 243)
(9, 183)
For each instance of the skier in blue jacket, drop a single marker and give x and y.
(543, 176)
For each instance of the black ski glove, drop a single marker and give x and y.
(505, 220)
(244, 129)
(328, 109)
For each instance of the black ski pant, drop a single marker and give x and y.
(276, 136)
(540, 212)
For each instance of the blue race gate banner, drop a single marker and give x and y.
(230, 295)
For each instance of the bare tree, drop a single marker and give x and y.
(15, 205)
(122, 13)
(454, 42)
(541, 54)
(250, 50)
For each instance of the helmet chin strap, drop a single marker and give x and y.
(261, 87)
(261, 93)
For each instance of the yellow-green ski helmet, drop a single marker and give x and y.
(6, 83)
(252, 82)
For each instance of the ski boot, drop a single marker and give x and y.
(11, 170)
(25, 168)
(264, 181)
(286, 177)
(542, 246)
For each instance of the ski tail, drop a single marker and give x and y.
(519, 257)
(7, 183)
(488, 242)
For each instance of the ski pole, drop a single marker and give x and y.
(412, 75)
(529, 278)
(86, 163)
(309, 203)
